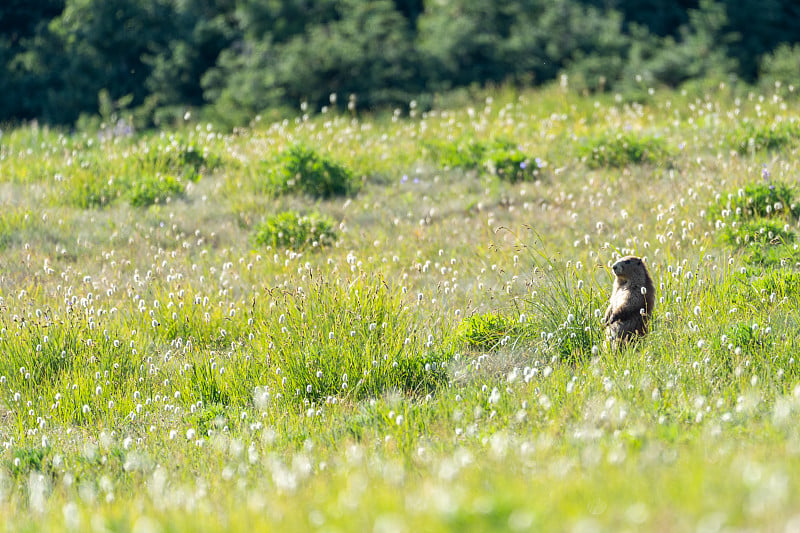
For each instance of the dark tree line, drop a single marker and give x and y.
(232, 59)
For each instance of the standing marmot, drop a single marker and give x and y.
(632, 301)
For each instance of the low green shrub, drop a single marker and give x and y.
(30, 459)
(302, 170)
(510, 164)
(488, 331)
(464, 154)
(771, 285)
(772, 256)
(177, 154)
(157, 189)
(500, 158)
(783, 283)
(86, 190)
(292, 230)
(748, 337)
(759, 200)
(622, 150)
(757, 232)
(750, 138)
(757, 220)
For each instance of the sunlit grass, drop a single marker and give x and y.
(174, 353)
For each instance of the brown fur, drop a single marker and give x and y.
(629, 311)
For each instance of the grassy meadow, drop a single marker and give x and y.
(392, 323)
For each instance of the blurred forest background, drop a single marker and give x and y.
(67, 61)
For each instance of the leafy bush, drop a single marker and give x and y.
(764, 200)
(291, 230)
(85, 189)
(488, 331)
(509, 164)
(749, 338)
(301, 170)
(156, 189)
(757, 232)
(766, 242)
(772, 256)
(757, 219)
(782, 283)
(749, 138)
(187, 160)
(773, 285)
(622, 150)
(212, 417)
(464, 154)
(92, 188)
(499, 158)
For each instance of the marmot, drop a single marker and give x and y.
(632, 301)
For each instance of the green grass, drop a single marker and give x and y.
(176, 354)
(291, 230)
(751, 137)
(499, 157)
(622, 149)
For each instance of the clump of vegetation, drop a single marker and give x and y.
(500, 158)
(773, 200)
(488, 331)
(465, 154)
(758, 232)
(748, 337)
(772, 286)
(750, 138)
(88, 190)
(157, 189)
(783, 283)
(351, 339)
(756, 219)
(30, 459)
(510, 164)
(174, 156)
(572, 340)
(622, 150)
(562, 310)
(772, 255)
(301, 170)
(292, 230)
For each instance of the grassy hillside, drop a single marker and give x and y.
(393, 323)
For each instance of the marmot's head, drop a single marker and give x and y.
(629, 267)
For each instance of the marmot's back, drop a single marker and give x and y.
(632, 300)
